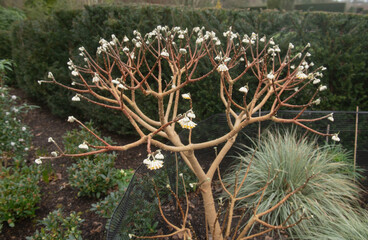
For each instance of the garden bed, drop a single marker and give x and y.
(58, 193)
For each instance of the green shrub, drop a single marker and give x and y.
(57, 226)
(327, 196)
(105, 207)
(19, 193)
(15, 137)
(93, 177)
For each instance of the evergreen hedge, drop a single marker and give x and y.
(338, 42)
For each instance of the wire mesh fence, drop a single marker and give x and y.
(138, 210)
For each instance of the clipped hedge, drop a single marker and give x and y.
(338, 42)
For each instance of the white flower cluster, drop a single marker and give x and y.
(83, 54)
(119, 84)
(96, 78)
(250, 40)
(229, 34)
(154, 162)
(273, 50)
(83, 146)
(221, 58)
(271, 76)
(244, 89)
(186, 122)
(106, 45)
(76, 98)
(137, 40)
(71, 67)
(222, 68)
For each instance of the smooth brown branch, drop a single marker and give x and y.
(94, 134)
(177, 232)
(187, 200)
(239, 222)
(256, 234)
(298, 122)
(99, 104)
(161, 211)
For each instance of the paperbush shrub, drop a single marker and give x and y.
(93, 177)
(57, 226)
(19, 193)
(337, 40)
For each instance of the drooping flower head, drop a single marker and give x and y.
(186, 123)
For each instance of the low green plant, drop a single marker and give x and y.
(93, 177)
(105, 207)
(340, 154)
(15, 137)
(141, 217)
(57, 226)
(19, 193)
(288, 161)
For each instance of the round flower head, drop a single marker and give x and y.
(301, 75)
(331, 118)
(96, 78)
(335, 137)
(186, 123)
(50, 75)
(147, 160)
(83, 146)
(38, 161)
(164, 53)
(317, 101)
(191, 114)
(71, 119)
(322, 88)
(76, 98)
(154, 164)
(243, 89)
(222, 68)
(159, 155)
(186, 96)
(75, 73)
(316, 81)
(183, 51)
(270, 76)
